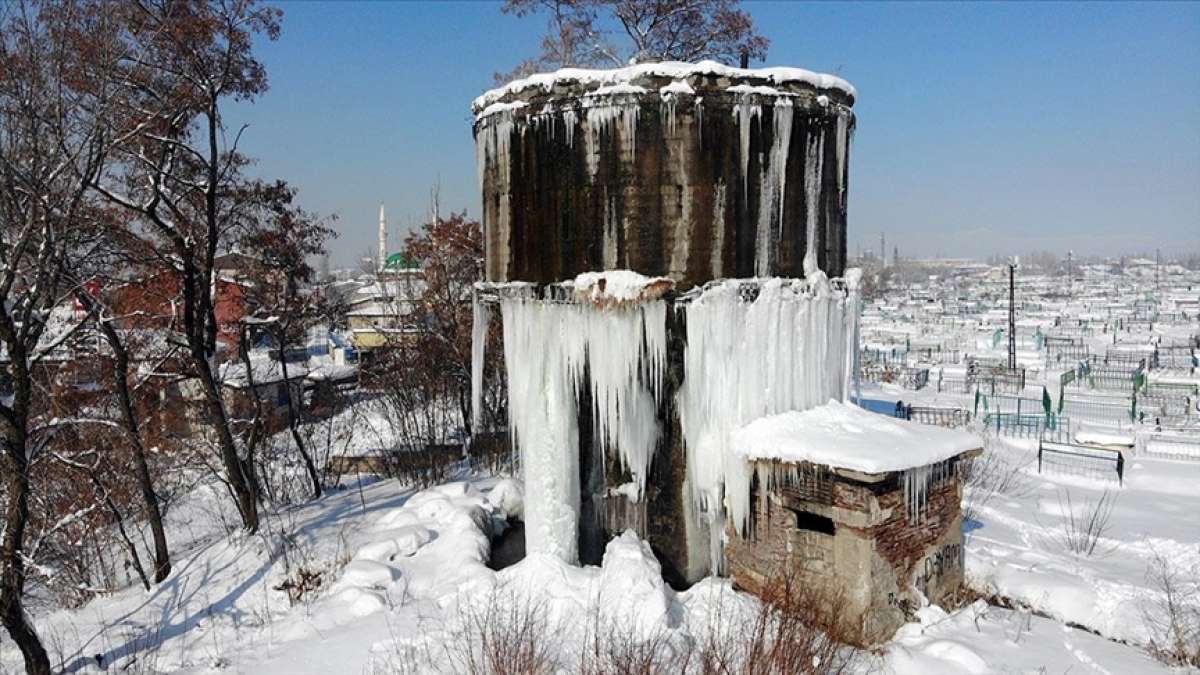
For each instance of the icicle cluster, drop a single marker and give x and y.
(785, 350)
(551, 351)
(610, 109)
(481, 319)
(813, 160)
(772, 187)
(670, 96)
(917, 483)
(494, 137)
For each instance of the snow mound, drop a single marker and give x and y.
(618, 286)
(360, 602)
(402, 541)
(509, 497)
(631, 589)
(368, 574)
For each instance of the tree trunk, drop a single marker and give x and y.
(12, 561)
(238, 473)
(294, 420)
(135, 559)
(162, 555)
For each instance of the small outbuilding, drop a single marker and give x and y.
(863, 508)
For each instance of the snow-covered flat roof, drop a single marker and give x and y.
(846, 436)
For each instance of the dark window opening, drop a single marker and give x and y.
(813, 522)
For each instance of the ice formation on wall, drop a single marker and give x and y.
(772, 186)
(495, 137)
(610, 114)
(744, 111)
(813, 160)
(754, 348)
(781, 351)
(552, 350)
(481, 319)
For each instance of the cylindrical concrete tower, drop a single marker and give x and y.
(695, 172)
(691, 171)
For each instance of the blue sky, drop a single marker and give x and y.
(982, 127)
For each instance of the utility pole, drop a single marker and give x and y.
(1012, 315)
(1157, 270)
(1070, 274)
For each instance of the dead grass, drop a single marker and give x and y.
(796, 630)
(1174, 616)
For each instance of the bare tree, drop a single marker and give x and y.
(125, 394)
(283, 304)
(578, 32)
(51, 144)
(179, 175)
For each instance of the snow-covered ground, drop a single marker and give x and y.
(1016, 547)
(403, 584)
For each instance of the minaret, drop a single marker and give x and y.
(383, 245)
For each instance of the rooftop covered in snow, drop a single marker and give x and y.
(845, 436)
(650, 77)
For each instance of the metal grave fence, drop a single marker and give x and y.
(1081, 460)
(1168, 445)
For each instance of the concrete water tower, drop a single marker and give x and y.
(690, 172)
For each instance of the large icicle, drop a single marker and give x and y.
(772, 187)
(746, 359)
(814, 158)
(481, 317)
(541, 406)
(616, 338)
(744, 111)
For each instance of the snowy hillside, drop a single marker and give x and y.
(396, 581)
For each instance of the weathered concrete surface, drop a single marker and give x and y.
(692, 186)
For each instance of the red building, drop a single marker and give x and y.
(157, 302)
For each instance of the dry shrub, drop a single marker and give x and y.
(797, 628)
(300, 584)
(508, 634)
(1083, 528)
(617, 648)
(423, 467)
(991, 474)
(1174, 617)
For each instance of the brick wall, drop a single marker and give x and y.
(876, 556)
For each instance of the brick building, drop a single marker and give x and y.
(872, 518)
